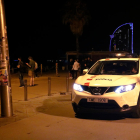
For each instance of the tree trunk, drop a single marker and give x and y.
(77, 46)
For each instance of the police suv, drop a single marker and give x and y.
(111, 85)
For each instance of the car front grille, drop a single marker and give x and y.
(98, 90)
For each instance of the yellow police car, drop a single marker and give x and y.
(111, 85)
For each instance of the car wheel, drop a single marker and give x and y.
(136, 113)
(77, 113)
(74, 107)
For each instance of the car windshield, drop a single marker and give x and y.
(114, 67)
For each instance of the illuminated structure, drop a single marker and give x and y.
(112, 36)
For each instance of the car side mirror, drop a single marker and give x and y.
(85, 71)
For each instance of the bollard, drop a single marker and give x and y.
(41, 69)
(67, 84)
(49, 86)
(56, 67)
(25, 90)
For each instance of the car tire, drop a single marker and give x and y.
(74, 107)
(77, 113)
(136, 113)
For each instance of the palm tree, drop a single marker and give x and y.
(76, 15)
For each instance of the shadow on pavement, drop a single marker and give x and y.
(58, 106)
(101, 116)
(32, 86)
(61, 106)
(124, 118)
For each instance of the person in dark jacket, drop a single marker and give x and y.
(31, 69)
(88, 64)
(82, 65)
(20, 67)
(70, 66)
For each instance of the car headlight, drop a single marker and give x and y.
(125, 88)
(77, 87)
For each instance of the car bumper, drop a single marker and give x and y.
(129, 98)
(114, 110)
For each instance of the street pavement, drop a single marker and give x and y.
(35, 95)
(45, 117)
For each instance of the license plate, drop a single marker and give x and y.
(97, 100)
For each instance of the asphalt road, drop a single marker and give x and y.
(91, 127)
(54, 118)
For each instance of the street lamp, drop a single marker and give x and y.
(5, 82)
(112, 36)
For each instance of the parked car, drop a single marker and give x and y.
(111, 85)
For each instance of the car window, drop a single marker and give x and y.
(120, 67)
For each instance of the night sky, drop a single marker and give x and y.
(35, 28)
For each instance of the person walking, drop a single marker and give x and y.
(31, 69)
(20, 67)
(82, 65)
(36, 69)
(88, 63)
(75, 68)
(70, 65)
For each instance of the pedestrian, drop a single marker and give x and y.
(75, 68)
(20, 67)
(36, 69)
(82, 65)
(31, 68)
(91, 63)
(70, 66)
(88, 63)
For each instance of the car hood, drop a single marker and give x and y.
(107, 80)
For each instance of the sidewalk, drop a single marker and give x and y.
(35, 95)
